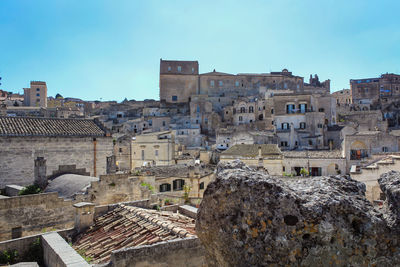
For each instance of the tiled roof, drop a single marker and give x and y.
(23, 126)
(127, 226)
(252, 150)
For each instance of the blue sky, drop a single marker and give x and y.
(109, 50)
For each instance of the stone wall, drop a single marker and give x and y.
(248, 218)
(181, 252)
(57, 252)
(33, 214)
(117, 188)
(17, 155)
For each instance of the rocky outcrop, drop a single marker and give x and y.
(248, 218)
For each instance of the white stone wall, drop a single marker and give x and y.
(17, 155)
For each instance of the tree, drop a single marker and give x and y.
(59, 96)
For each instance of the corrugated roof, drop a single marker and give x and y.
(127, 226)
(252, 150)
(23, 126)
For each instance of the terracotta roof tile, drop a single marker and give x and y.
(23, 126)
(127, 226)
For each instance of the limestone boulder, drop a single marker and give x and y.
(248, 218)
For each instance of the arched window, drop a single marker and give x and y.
(251, 109)
(242, 110)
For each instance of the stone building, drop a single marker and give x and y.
(178, 80)
(372, 91)
(228, 137)
(266, 156)
(359, 148)
(300, 120)
(343, 97)
(80, 143)
(36, 95)
(317, 163)
(123, 152)
(153, 149)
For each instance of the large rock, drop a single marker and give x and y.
(248, 218)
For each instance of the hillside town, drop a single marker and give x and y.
(120, 184)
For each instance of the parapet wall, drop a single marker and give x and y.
(179, 252)
(32, 214)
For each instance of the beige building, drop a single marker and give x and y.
(317, 163)
(369, 174)
(153, 149)
(267, 156)
(178, 80)
(36, 95)
(72, 143)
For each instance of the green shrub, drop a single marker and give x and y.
(8, 257)
(148, 186)
(30, 190)
(304, 172)
(35, 252)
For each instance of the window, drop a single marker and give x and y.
(156, 152)
(358, 154)
(285, 126)
(120, 150)
(201, 186)
(192, 70)
(150, 122)
(212, 83)
(174, 98)
(198, 109)
(321, 110)
(234, 111)
(285, 85)
(16, 232)
(37, 89)
(283, 168)
(385, 149)
(302, 108)
(178, 184)
(142, 154)
(272, 111)
(169, 68)
(284, 143)
(319, 125)
(179, 68)
(37, 94)
(237, 83)
(163, 123)
(240, 118)
(220, 83)
(302, 125)
(290, 108)
(310, 142)
(165, 187)
(251, 109)
(242, 110)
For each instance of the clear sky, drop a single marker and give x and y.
(109, 50)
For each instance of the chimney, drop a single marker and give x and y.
(191, 171)
(84, 215)
(40, 172)
(111, 165)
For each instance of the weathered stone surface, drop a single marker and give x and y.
(248, 218)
